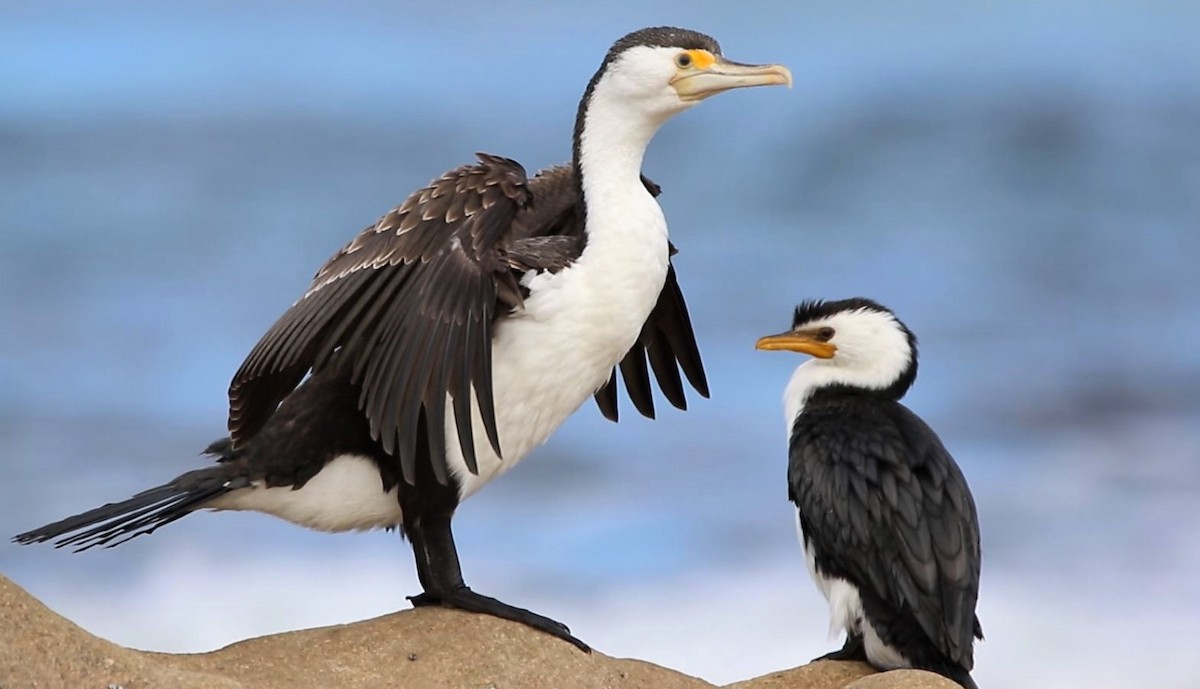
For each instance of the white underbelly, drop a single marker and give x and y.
(845, 606)
(346, 495)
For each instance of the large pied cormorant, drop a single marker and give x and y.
(888, 524)
(459, 331)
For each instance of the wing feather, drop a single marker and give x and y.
(668, 340)
(549, 235)
(888, 509)
(462, 400)
(606, 398)
(666, 372)
(408, 307)
(637, 380)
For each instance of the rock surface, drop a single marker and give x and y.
(823, 674)
(906, 679)
(418, 649)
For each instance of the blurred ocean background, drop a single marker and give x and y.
(1019, 180)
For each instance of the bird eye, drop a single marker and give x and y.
(683, 60)
(825, 334)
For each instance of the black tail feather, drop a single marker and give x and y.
(143, 513)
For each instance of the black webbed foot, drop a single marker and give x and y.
(440, 575)
(853, 649)
(463, 598)
(424, 599)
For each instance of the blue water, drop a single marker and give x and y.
(1020, 181)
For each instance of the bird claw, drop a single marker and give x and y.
(463, 598)
(853, 649)
(424, 599)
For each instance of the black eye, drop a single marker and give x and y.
(825, 334)
(683, 60)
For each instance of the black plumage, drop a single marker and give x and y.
(884, 506)
(881, 503)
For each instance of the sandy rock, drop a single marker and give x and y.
(416, 649)
(903, 679)
(428, 648)
(39, 649)
(823, 674)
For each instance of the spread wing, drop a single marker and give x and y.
(551, 236)
(408, 308)
(888, 509)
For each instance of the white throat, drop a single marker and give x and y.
(873, 352)
(817, 373)
(806, 379)
(612, 145)
(625, 107)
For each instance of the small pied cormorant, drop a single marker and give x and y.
(888, 524)
(459, 331)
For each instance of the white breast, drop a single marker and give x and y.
(808, 377)
(346, 495)
(548, 359)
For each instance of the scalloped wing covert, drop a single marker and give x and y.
(408, 306)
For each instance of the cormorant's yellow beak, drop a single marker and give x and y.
(702, 74)
(797, 342)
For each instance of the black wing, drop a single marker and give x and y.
(668, 342)
(551, 235)
(887, 508)
(408, 308)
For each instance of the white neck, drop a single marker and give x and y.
(819, 373)
(579, 322)
(873, 353)
(612, 143)
(613, 137)
(805, 380)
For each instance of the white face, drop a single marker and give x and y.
(642, 78)
(858, 347)
(660, 82)
(872, 349)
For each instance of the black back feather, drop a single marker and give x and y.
(884, 506)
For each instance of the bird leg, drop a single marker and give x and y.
(853, 649)
(416, 536)
(441, 576)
